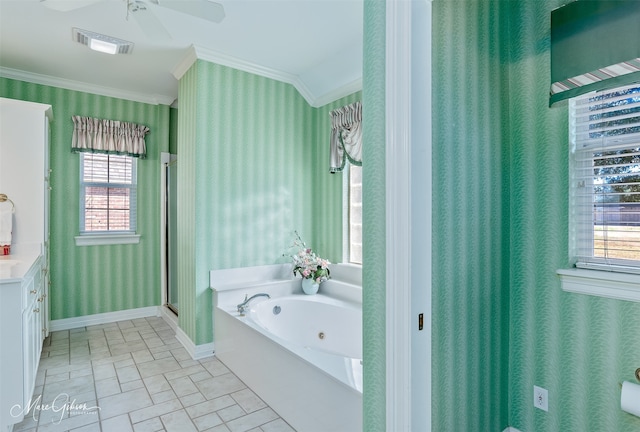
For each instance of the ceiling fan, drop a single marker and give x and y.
(143, 14)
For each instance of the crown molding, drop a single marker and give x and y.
(183, 65)
(342, 91)
(154, 99)
(195, 52)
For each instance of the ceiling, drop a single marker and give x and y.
(316, 45)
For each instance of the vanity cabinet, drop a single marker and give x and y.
(22, 332)
(24, 274)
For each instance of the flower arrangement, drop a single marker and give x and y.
(308, 264)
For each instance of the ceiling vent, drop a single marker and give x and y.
(102, 43)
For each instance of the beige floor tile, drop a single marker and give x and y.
(250, 421)
(178, 421)
(248, 400)
(138, 377)
(209, 406)
(207, 421)
(183, 386)
(155, 410)
(220, 385)
(192, 399)
(151, 425)
(157, 367)
(231, 413)
(112, 406)
(107, 387)
(127, 373)
(277, 425)
(157, 383)
(120, 423)
(131, 385)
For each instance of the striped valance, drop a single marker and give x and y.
(346, 136)
(108, 136)
(594, 46)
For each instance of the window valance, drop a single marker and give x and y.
(108, 136)
(594, 46)
(346, 136)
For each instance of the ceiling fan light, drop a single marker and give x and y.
(103, 46)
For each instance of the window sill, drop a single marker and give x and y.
(619, 286)
(106, 239)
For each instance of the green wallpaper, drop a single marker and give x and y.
(578, 347)
(469, 283)
(373, 218)
(253, 168)
(500, 233)
(95, 279)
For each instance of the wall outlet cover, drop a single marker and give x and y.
(540, 398)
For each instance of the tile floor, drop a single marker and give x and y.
(135, 376)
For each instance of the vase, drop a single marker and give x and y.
(310, 286)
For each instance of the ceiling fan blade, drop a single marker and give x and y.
(148, 22)
(67, 5)
(205, 9)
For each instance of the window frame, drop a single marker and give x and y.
(108, 237)
(592, 275)
(346, 220)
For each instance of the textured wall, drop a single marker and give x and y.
(373, 218)
(253, 168)
(578, 347)
(95, 279)
(469, 289)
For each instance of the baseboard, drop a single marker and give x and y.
(196, 352)
(169, 317)
(103, 318)
(511, 429)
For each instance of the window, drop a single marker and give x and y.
(605, 180)
(354, 214)
(108, 190)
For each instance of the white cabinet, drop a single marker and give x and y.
(24, 275)
(21, 337)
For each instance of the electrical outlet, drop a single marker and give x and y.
(540, 398)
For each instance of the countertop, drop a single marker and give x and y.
(14, 267)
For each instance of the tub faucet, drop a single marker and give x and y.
(243, 306)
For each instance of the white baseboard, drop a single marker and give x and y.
(196, 352)
(104, 318)
(169, 317)
(511, 429)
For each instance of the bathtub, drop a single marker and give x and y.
(301, 354)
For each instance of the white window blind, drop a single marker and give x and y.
(108, 192)
(605, 179)
(355, 214)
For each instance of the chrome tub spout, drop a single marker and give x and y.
(242, 307)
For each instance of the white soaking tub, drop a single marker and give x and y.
(302, 354)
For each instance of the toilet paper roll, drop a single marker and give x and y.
(630, 398)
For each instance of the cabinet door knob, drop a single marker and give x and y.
(33, 291)
(36, 310)
(40, 299)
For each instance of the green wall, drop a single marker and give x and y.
(470, 292)
(501, 323)
(95, 279)
(373, 218)
(578, 347)
(253, 168)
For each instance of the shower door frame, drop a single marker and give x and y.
(165, 159)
